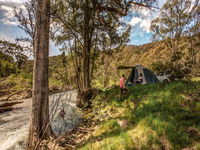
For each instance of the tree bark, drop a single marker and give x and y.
(40, 128)
(87, 47)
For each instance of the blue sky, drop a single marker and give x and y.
(139, 21)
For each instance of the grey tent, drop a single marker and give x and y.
(148, 76)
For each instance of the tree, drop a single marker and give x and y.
(193, 40)
(40, 127)
(26, 18)
(18, 52)
(91, 26)
(172, 24)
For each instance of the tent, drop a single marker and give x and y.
(148, 76)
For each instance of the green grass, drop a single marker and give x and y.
(158, 117)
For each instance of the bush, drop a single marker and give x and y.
(7, 68)
(177, 71)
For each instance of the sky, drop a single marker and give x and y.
(140, 23)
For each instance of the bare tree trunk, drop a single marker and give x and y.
(40, 127)
(86, 69)
(88, 31)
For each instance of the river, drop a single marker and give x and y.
(14, 125)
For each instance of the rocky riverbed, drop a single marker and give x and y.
(14, 124)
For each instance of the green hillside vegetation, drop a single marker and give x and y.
(154, 55)
(150, 117)
(7, 65)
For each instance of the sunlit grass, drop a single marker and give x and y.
(158, 117)
(196, 79)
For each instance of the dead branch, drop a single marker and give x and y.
(16, 93)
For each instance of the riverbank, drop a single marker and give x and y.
(14, 124)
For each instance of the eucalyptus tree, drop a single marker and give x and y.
(17, 52)
(40, 122)
(26, 18)
(90, 26)
(193, 38)
(175, 18)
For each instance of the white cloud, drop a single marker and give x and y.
(13, 1)
(145, 25)
(145, 12)
(134, 21)
(143, 17)
(6, 11)
(8, 22)
(7, 8)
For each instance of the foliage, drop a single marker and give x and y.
(14, 82)
(179, 19)
(174, 72)
(14, 50)
(88, 27)
(26, 17)
(7, 65)
(7, 68)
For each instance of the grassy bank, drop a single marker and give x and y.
(150, 117)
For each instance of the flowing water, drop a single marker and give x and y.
(14, 124)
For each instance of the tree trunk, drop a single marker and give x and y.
(40, 128)
(87, 48)
(86, 69)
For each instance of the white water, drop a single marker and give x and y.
(14, 124)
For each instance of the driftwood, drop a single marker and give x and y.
(5, 109)
(7, 106)
(16, 93)
(86, 130)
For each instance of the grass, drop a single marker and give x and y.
(158, 117)
(22, 81)
(17, 82)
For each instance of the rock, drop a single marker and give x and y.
(123, 123)
(193, 132)
(165, 143)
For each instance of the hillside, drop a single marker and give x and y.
(155, 56)
(149, 117)
(62, 74)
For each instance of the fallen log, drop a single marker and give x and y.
(16, 93)
(2, 110)
(8, 106)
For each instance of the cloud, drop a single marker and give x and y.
(145, 12)
(145, 25)
(6, 11)
(7, 15)
(140, 21)
(134, 21)
(142, 18)
(12, 1)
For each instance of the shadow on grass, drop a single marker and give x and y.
(162, 112)
(159, 108)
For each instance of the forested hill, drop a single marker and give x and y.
(155, 56)
(148, 54)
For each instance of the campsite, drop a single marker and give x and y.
(100, 75)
